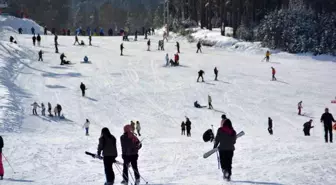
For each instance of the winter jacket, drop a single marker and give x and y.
(198, 45)
(200, 73)
(209, 99)
(215, 71)
(40, 53)
(35, 105)
(222, 122)
(167, 58)
(138, 127)
(307, 126)
(183, 126)
(82, 87)
(49, 106)
(38, 38)
(59, 107)
(86, 124)
(188, 124)
(300, 105)
(268, 54)
(108, 146)
(273, 71)
(121, 47)
(270, 123)
(1, 144)
(225, 138)
(129, 146)
(327, 118)
(177, 57)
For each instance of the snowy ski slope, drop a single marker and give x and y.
(137, 86)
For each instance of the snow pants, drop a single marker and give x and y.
(306, 132)
(87, 131)
(200, 77)
(83, 92)
(199, 49)
(133, 159)
(2, 172)
(183, 132)
(216, 75)
(210, 105)
(226, 161)
(188, 132)
(108, 166)
(34, 111)
(138, 130)
(328, 130)
(299, 113)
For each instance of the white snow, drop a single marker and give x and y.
(44, 150)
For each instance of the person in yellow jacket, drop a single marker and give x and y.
(268, 54)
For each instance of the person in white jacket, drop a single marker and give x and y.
(87, 126)
(35, 105)
(210, 102)
(43, 109)
(138, 127)
(167, 59)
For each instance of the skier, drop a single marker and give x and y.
(35, 105)
(208, 136)
(83, 88)
(43, 109)
(76, 40)
(210, 102)
(197, 105)
(11, 39)
(2, 172)
(86, 126)
(34, 40)
(216, 73)
(200, 75)
(183, 128)
(178, 47)
(130, 145)
(199, 47)
(136, 35)
(121, 49)
(273, 74)
(38, 38)
(148, 45)
(188, 125)
(40, 53)
(62, 58)
(138, 127)
(223, 120)
(33, 31)
(20, 30)
(327, 119)
(49, 109)
(268, 54)
(226, 138)
(167, 59)
(270, 125)
(90, 39)
(108, 145)
(299, 107)
(56, 43)
(306, 127)
(45, 30)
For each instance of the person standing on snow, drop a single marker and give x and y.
(121, 49)
(76, 40)
(130, 146)
(183, 128)
(133, 126)
(327, 119)
(40, 53)
(2, 171)
(35, 105)
(59, 110)
(34, 40)
(178, 47)
(56, 43)
(210, 102)
(138, 127)
(83, 88)
(38, 38)
(33, 31)
(167, 59)
(200, 75)
(45, 30)
(273, 74)
(108, 146)
(226, 139)
(148, 45)
(299, 107)
(223, 120)
(43, 109)
(270, 126)
(49, 109)
(136, 35)
(86, 126)
(216, 73)
(199, 47)
(267, 57)
(188, 125)
(90, 39)
(306, 127)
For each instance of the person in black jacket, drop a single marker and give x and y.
(208, 136)
(56, 43)
(183, 127)
(200, 75)
(108, 145)
(327, 119)
(34, 40)
(11, 39)
(76, 40)
(1, 165)
(59, 110)
(121, 49)
(40, 53)
(83, 88)
(20, 30)
(306, 127)
(216, 73)
(226, 139)
(38, 38)
(148, 45)
(178, 47)
(199, 47)
(188, 125)
(62, 58)
(130, 146)
(270, 126)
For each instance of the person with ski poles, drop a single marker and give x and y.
(273, 74)
(299, 107)
(2, 171)
(86, 126)
(108, 147)
(226, 139)
(130, 146)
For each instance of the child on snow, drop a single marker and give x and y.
(43, 109)
(86, 126)
(306, 127)
(183, 128)
(210, 102)
(299, 107)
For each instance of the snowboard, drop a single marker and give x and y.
(209, 153)
(101, 158)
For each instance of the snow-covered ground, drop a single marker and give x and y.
(137, 86)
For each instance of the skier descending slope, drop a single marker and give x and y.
(108, 144)
(226, 138)
(130, 145)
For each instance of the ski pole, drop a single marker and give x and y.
(131, 175)
(8, 162)
(144, 179)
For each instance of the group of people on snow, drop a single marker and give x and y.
(57, 109)
(186, 126)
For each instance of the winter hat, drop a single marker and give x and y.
(223, 116)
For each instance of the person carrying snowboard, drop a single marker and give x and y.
(299, 107)
(2, 171)
(327, 119)
(188, 126)
(148, 45)
(49, 109)
(216, 73)
(199, 47)
(210, 102)
(43, 109)
(226, 139)
(76, 40)
(273, 74)
(138, 127)
(121, 49)
(183, 128)
(35, 105)
(306, 127)
(34, 40)
(40, 53)
(178, 47)
(267, 57)
(86, 126)
(130, 146)
(108, 146)
(38, 38)
(200, 75)
(83, 88)
(270, 126)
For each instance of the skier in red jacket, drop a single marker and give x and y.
(273, 74)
